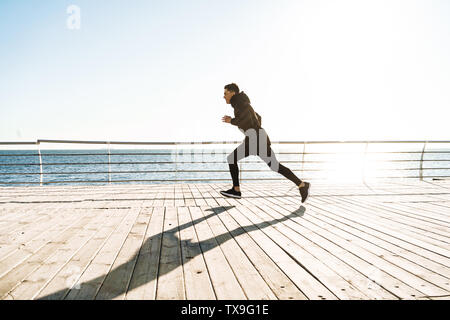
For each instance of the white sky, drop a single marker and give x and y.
(155, 70)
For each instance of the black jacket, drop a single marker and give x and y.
(244, 115)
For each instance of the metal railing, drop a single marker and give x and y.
(300, 158)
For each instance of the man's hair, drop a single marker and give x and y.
(232, 87)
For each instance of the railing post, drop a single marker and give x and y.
(176, 161)
(364, 163)
(240, 171)
(421, 160)
(109, 162)
(40, 164)
(303, 156)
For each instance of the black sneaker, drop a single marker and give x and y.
(304, 191)
(231, 193)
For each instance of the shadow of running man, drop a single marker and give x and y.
(90, 289)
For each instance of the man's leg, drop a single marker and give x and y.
(266, 153)
(273, 163)
(239, 153)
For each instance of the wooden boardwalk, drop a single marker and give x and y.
(185, 241)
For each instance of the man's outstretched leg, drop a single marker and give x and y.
(271, 160)
(303, 187)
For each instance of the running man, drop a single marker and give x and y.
(256, 142)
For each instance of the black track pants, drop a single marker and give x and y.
(256, 143)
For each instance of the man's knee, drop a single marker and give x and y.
(274, 165)
(230, 158)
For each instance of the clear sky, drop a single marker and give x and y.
(155, 70)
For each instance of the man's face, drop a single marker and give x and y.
(227, 95)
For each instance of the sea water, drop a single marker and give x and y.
(75, 167)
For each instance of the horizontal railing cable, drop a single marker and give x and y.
(178, 156)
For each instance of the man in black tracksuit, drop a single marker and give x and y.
(256, 142)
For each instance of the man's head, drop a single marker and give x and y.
(229, 91)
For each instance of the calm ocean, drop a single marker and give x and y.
(71, 166)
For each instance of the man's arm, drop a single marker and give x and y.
(245, 117)
(226, 119)
(259, 118)
(239, 117)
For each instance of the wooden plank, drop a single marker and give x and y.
(214, 192)
(252, 283)
(69, 275)
(413, 249)
(350, 243)
(425, 212)
(24, 220)
(18, 250)
(409, 231)
(392, 257)
(398, 238)
(444, 205)
(14, 276)
(280, 284)
(196, 277)
(395, 240)
(305, 239)
(169, 198)
(188, 196)
(179, 199)
(396, 228)
(17, 240)
(116, 282)
(411, 220)
(211, 202)
(92, 278)
(376, 275)
(309, 285)
(198, 198)
(49, 267)
(385, 242)
(159, 200)
(222, 277)
(288, 240)
(145, 276)
(12, 212)
(447, 297)
(439, 210)
(170, 277)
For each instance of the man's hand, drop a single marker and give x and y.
(226, 119)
